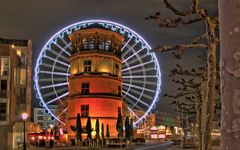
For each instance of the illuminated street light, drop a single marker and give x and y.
(24, 117)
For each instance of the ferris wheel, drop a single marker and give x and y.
(140, 70)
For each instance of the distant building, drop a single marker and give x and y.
(43, 118)
(15, 87)
(167, 119)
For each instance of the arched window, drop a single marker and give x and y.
(100, 44)
(91, 43)
(84, 43)
(107, 45)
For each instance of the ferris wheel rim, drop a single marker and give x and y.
(158, 74)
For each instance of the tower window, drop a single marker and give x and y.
(87, 65)
(84, 44)
(84, 110)
(119, 91)
(3, 111)
(100, 44)
(91, 43)
(85, 88)
(107, 45)
(116, 69)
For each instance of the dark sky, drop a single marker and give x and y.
(39, 20)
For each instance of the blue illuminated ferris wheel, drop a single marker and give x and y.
(140, 70)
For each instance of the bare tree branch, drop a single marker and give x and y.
(198, 39)
(174, 10)
(172, 23)
(200, 72)
(179, 47)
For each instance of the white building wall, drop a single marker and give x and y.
(43, 118)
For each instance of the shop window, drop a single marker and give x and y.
(87, 65)
(84, 111)
(3, 111)
(24, 60)
(3, 89)
(22, 95)
(85, 88)
(23, 76)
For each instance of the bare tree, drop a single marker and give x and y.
(209, 41)
(192, 90)
(229, 14)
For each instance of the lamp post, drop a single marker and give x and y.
(24, 117)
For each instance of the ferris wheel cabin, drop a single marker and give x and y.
(95, 82)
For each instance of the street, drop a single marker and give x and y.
(154, 146)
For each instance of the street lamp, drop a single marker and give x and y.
(24, 117)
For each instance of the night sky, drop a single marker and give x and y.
(39, 20)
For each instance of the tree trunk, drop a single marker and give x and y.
(204, 107)
(211, 83)
(229, 12)
(199, 121)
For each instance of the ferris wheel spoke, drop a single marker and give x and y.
(50, 79)
(65, 42)
(56, 67)
(139, 71)
(135, 98)
(133, 113)
(53, 92)
(55, 60)
(131, 48)
(139, 87)
(139, 76)
(54, 85)
(55, 73)
(132, 103)
(137, 92)
(125, 44)
(138, 59)
(60, 114)
(142, 94)
(59, 55)
(127, 51)
(136, 66)
(142, 82)
(62, 49)
(126, 59)
(57, 98)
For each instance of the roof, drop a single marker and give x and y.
(15, 42)
(96, 25)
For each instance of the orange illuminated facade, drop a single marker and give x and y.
(95, 83)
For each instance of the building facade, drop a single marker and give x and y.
(43, 118)
(95, 83)
(15, 86)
